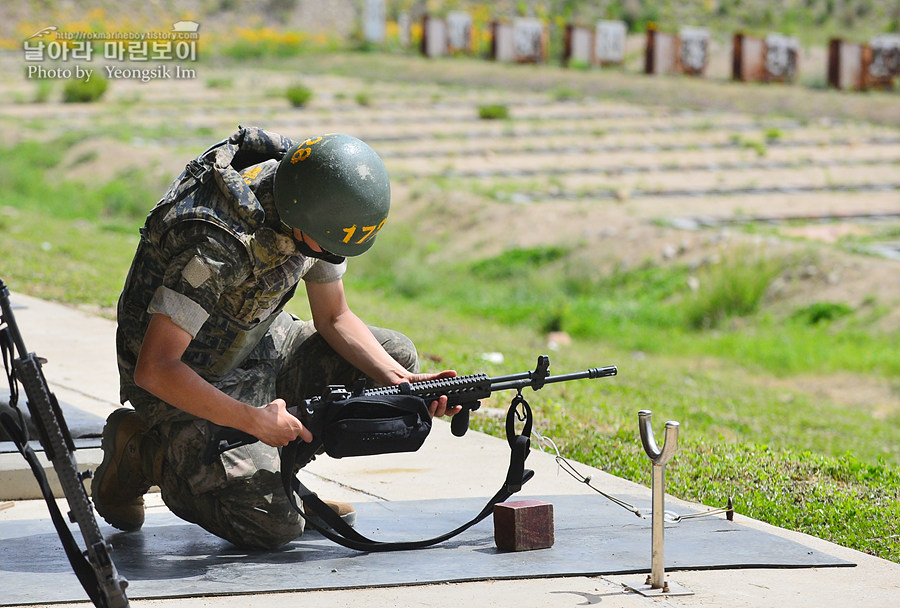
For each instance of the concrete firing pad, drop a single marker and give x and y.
(85, 427)
(171, 558)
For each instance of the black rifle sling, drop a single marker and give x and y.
(18, 432)
(83, 569)
(340, 532)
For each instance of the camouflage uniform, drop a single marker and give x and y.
(215, 258)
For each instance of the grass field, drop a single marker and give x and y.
(783, 379)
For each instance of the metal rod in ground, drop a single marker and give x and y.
(659, 457)
(656, 583)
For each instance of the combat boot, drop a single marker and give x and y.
(119, 483)
(343, 509)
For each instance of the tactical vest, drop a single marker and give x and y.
(211, 190)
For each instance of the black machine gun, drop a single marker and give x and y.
(364, 422)
(466, 391)
(93, 566)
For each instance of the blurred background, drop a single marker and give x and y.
(720, 221)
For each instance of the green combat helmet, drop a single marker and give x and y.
(334, 188)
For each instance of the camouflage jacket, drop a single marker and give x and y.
(214, 257)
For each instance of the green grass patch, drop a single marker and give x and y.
(773, 134)
(299, 95)
(516, 261)
(31, 181)
(66, 260)
(222, 82)
(734, 287)
(66, 240)
(822, 312)
(751, 144)
(650, 309)
(564, 93)
(43, 90)
(494, 111)
(265, 43)
(81, 91)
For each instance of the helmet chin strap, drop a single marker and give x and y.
(309, 252)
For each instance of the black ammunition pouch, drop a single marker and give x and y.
(366, 426)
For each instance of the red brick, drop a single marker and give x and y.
(523, 525)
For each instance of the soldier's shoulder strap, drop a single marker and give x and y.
(231, 203)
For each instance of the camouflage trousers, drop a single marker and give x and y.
(240, 496)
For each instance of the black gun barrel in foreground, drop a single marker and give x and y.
(94, 567)
(466, 391)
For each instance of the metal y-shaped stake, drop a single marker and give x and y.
(659, 458)
(656, 583)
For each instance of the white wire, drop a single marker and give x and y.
(565, 465)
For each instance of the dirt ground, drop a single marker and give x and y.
(625, 183)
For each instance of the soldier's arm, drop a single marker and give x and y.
(350, 337)
(161, 372)
(202, 262)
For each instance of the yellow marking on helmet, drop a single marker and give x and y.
(300, 154)
(303, 153)
(368, 231)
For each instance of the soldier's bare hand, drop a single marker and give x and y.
(439, 408)
(277, 427)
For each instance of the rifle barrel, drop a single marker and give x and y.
(523, 382)
(512, 377)
(497, 383)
